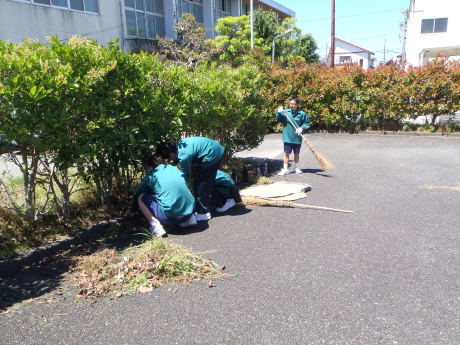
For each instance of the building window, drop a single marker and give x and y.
(222, 8)
(433, 25)
(77, 5)
(343, 60)
(145, 18)
(194, 7)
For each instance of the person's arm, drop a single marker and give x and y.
(143, 187)
(185, 161)
(306, 122)
(280, 116)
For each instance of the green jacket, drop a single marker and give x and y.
(224, 183)
(299, 118)
(198, 151)
(168, 185)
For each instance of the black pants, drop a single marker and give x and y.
(203, 184)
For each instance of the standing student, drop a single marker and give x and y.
(199, 159)
(163, 197)
(292, 137)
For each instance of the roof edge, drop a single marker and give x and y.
(354, 45)
(278, 7)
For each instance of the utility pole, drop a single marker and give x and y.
(252, 23)
(384, 50)
(332, 33)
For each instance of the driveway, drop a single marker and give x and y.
(387, 274)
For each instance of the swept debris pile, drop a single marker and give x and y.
(140, 269)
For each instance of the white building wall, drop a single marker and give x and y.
(419, 48)
(20, 20)
(343, 49)
(38, 22)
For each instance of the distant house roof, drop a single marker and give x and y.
(278, 7)
(360, 49)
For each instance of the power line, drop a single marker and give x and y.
(348, 16)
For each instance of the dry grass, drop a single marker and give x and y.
(140, 269)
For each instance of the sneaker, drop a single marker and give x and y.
(228, 204)
(298, 171)
(203, 216)
(189, 222)
(283, 172)
(157, 230)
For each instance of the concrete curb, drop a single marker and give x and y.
(11, 266)
(390, 133)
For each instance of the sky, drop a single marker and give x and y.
(370, 24)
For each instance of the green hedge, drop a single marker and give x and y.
(78, 106)
(348, 96)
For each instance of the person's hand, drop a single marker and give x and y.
(280, 109)
(299, 131)
(130, 213)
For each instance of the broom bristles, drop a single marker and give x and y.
(325, 164)
(255, 201)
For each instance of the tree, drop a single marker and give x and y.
(234, 38)
(190, 47)
(433, 89)
(266, 25)
(305, 47)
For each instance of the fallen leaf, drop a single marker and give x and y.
(144, 289)
(210, 284)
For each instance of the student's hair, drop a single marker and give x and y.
(165, 148)
(294, 98)
(149, 161)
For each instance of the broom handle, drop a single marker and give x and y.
(320, 208)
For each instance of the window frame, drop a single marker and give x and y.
(157, 15)
(196, 3)
(224, 12)
(433, 25)
(63, 8)
(345, 60)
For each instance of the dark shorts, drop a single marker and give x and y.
(155, 208)
(288, 148)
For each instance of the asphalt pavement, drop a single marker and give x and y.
(387, 274)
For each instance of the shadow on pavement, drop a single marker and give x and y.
(49, 274)
(176, 230)
(273, 166)
(237, 210)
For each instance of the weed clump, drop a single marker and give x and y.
(140, 269)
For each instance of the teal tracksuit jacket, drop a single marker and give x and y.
(299, 118)
(168, 185)
(224, 183)
(198, 151)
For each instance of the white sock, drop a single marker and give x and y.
(296, 165)
(285, 166)
(153, 223)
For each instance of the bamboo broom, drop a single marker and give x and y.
(325, 164)
(255, 201)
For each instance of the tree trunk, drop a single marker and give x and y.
(63, 185)
(29, 173)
